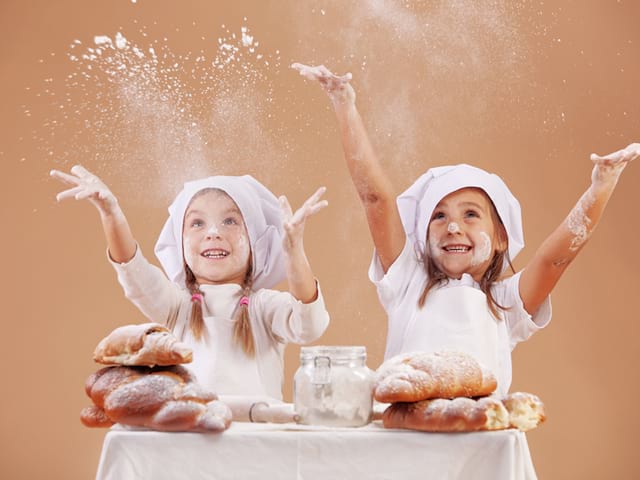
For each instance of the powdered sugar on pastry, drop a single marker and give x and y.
(443, 415)
(147, 344)
(161, 398)
(416, 376)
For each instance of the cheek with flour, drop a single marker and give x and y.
(482, 252)
(432, 247)
(243, 248)
(188, 254)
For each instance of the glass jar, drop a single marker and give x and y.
(333, 386)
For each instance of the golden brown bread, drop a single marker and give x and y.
(412, 377)
(147, 344)
(443, 415)
(526, 410)
(94, 416)
(161, 398)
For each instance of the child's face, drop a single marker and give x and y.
(462, 237)
(215, 240)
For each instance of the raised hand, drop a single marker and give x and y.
(86, 186)
(338, 88)
(294, 222)
(609, 167)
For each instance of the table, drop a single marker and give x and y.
(249, 451)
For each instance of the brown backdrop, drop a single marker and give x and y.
(525, 89)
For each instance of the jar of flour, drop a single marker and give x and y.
(333, 386)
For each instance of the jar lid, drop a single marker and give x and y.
(334, 352)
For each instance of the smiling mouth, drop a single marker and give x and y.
(456, 248)
(214, 253)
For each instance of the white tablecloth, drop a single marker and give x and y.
(264, 451)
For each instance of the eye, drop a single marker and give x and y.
(437, 216)
(471, 214)
(230, 221)
(196, 223)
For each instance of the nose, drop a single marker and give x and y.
(453, 227)
(212, 233)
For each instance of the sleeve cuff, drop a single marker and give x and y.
(523, 324)
(128, 262)
(314, 317)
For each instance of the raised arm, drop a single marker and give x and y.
(372, 184)
(85, 185)
(563, 245)
(302, 283)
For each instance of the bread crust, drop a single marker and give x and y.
(146, 344)
(417, 376)
(161, 398)
(460, 414)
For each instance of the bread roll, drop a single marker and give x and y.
(161, 398)
(442, 415)
(526, 410)
(94, 416)
(146, 344)
(412, 377)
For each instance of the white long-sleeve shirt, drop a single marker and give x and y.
(219, 364)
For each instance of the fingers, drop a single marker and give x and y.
(320, 73)
(81, 172)
(286, 208)
(310, 207)
(64, 177)
(317, 207)
(628, 154)
(71, 193)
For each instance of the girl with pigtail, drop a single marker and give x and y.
(227, 242)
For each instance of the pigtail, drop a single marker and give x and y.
(196, 319)
(242, 333)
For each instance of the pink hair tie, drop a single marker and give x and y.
(197, 297)
(244, 301)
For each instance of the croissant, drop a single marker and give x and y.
(146, 344)
(161, 398)
(442, 415)
(412, 377)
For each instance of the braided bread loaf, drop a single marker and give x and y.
(520, 410)
(442, 415)
(148, 344)
(161, 398)
(412, 377)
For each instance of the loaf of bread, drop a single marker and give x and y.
(443, 415)
(147, 344)
(526, 410)
(161, 398)
(412, 377)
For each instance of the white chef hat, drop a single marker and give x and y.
(417, 203)
(262, 217)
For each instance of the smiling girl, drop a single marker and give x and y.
(228, 240)
(443, 247)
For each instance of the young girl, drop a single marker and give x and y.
(227, 241)
(443, 246)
